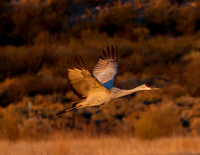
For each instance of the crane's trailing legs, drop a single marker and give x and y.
(75, 105)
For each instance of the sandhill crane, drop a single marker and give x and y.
(97, 89)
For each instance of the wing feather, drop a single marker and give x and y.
(106, 68)
(82, 81)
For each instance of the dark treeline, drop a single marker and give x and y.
(22, 23)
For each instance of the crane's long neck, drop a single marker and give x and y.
(121, 92)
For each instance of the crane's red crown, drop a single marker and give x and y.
(146, 85)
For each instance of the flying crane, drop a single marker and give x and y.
(97, 89)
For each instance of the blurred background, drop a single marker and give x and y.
(159, 44)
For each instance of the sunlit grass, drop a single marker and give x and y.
(103, 146)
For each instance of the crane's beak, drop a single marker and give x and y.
(155, 88)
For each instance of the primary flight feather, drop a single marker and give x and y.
(97, 88)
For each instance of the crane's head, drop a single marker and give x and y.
(146, 87)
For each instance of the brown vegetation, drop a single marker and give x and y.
(159, 44)
(103, 146)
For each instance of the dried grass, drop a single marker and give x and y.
(103, 146)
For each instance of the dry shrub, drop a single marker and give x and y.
(13, 89)
(118, 20)
(34, 128)
(30, 59)
(159, 52)
(160, 17)
(165, 18)
(140, 33)
(195, 125)
(175, 72)
(19, 60)
(20, 122)
(12, 117)
(174, 90)
(52, 16)
(45, 82)
(128, 80)
(192, 73)
(159, 3)
(159, 121)
(187, 20)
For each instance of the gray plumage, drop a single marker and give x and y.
(97, 88)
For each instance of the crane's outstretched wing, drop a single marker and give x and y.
(106, 68)
(82, 82)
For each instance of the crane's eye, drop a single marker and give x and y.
(147, 85)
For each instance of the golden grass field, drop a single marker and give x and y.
(103, 146)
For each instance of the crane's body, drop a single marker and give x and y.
(97, 89)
